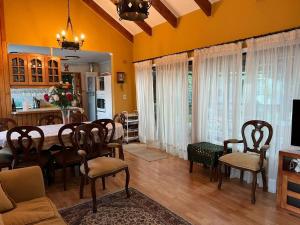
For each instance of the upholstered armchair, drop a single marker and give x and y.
(253, 158)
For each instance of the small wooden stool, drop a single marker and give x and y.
(206, 153)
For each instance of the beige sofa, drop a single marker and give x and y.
(26, 187)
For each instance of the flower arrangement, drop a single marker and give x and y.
(61, 95)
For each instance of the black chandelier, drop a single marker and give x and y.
(62, 40)
(133, 10)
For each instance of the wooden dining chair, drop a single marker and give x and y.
(86, 136)
(7, 123)
(27, 151)
(78, 117)
(110, 143)
(68, 156)
(6, 156)
(253, 158)
(50, 120)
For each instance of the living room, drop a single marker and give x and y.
(204, 105)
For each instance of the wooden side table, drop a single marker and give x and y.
(288, 182)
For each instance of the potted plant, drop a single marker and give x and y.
(62, 96)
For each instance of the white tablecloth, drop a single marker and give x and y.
(51, 135)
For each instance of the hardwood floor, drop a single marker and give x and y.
(191, 196)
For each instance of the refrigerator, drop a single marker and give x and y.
(91, 95)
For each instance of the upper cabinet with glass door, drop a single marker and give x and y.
(53, 71)
(18, 69)
(36, 68)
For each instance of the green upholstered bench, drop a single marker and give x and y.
(205, 153)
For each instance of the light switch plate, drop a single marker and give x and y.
(124, 97)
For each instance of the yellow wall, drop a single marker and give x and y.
(231, 20)
(32, 22)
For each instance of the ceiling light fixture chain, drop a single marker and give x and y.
(62, 40)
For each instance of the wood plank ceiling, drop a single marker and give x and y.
(161, 11)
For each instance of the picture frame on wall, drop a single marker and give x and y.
(120, 77)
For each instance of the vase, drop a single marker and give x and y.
(65, 116)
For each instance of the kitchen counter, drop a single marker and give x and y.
(41, 110)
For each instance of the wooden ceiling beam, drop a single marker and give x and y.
(205, 5)
(144, 26)
(165, 12)
(108, 18)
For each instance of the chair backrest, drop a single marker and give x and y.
(258, 140)
(7, 123)
(50, 120)
(66, 136)
(107, 123)
(119, 118)
(78, 117)
(26, 143)
(87, 136)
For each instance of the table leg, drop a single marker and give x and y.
(191, 166)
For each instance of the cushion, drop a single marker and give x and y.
(31, 179)
(1, 220)
(6, 203)
(249, 161)
(103, 165)
(31, 212)
(52, 221)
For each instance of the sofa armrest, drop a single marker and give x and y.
(23, 184)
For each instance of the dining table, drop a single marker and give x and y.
(51, 135)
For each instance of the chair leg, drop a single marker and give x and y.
(220, 175)
(127, 182)
(82, 181)
(254, 181)
(241, 176)
(64, 177)
(228, 171)
(191, 166)
(93, 190)
(103, 183)
(121, 152)
(264, 178)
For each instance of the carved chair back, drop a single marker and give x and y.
(256, 135)
(50, 120)
(7, 123)
(119, 118)
(107, 123)
(78, 117)
(89, 137)
(66, 136)
(24, 146)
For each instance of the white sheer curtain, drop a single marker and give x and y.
(145, 101)
(272, 82)
(217, 85)
(172, 104)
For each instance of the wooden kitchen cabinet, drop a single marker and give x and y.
(34, 69)
(18, 69)
(53, 70)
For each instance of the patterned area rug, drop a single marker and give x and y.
(116, 209)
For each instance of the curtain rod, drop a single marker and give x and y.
(229, 42)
